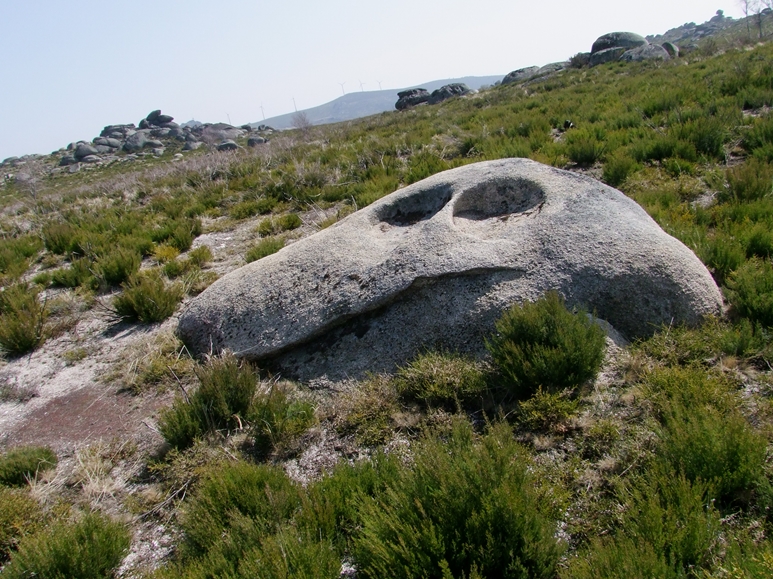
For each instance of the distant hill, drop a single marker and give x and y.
(356, 105)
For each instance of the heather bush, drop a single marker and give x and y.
(264, 248)
(22, 319)
(118, 265)
(20, 515)
(438, 379)
(750, 291)
(91, 548)
(147, 298)
(543, 344)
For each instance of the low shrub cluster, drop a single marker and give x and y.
(542, 344)
(22, 319)
(91, 548)
(147, 298)
(19, 465)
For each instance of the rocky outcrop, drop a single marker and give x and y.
(411, 98)
(448, 91)
(520, 75)
(628, 47)
(436, 263)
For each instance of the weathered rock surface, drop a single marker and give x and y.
(672, 49)
(435, 264)
(625, 40)
(448, 91)
(645, 52)
(606, 55)
(411, 98)
(227, 146)
(255, 141)
(520, 75)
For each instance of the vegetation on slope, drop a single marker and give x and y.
(659, 468)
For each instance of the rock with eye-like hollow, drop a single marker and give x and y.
(433, 265)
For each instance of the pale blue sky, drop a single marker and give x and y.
(69, 68)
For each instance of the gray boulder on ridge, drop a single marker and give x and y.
(436, 263)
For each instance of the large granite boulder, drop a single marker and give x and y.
(625, 40)
(435, 264)
(520, 75)
(411, 98)
(607, 55)
(448, 91)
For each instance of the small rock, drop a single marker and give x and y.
(158, 151)
(160, 132)
(161, 119)
(91, 159)
(255, 141)
(169, 125)
(137, 141)
(144, 124)
(154, 143)
(192, 145)
(153, 116)
(103, 149)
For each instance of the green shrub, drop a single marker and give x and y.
(584, 147)
(200, 256)
(263, 248)
(22, 319)
(20, 515)
(722, 256)
(758, 241)
(266, 227)
(244, 210)
(617, 168)
(18, 465)
(147, 298)
(289, 222)
(750, 291)
(92, 548)
(277, 420)
(118, 266)
(78, 274)
(439, 379)
(546, 411)
(719, 449)
(15, 253)
(543, 344)
(620, 557)
(466, 508)
(222, 400)
(749, 181)
(58, 237)
(236, 500)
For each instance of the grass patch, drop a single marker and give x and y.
(19, 465)
(22, 319)
(264, 248)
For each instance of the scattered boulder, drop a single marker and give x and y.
(67, 160)
(217, 133)
(153, 116)
(411, 98)
(645, 52)
(448, 91)
(255, 141)
(227, 146)
(136, 141)
(625, 40)
(192, 145)
(520, 75)
(91, 159)
(433, 265)
(163, 119)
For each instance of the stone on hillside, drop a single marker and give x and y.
(158, 132)
(83, 150)
(91, 159)
(192, 145)
(153, 116)
(433, 265)
(625, 40)
(551, 68)
(154, 143)
(645, 52)
(255, 141)
(169, 125)
(219, 132)
(163, 119)
(103, 149)
(227, 146)
(671, 48)
(137, 141)
(67, 160)
(144, 124)
(520, 75)
(607, 55)
(448, 91)
(411, 98)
